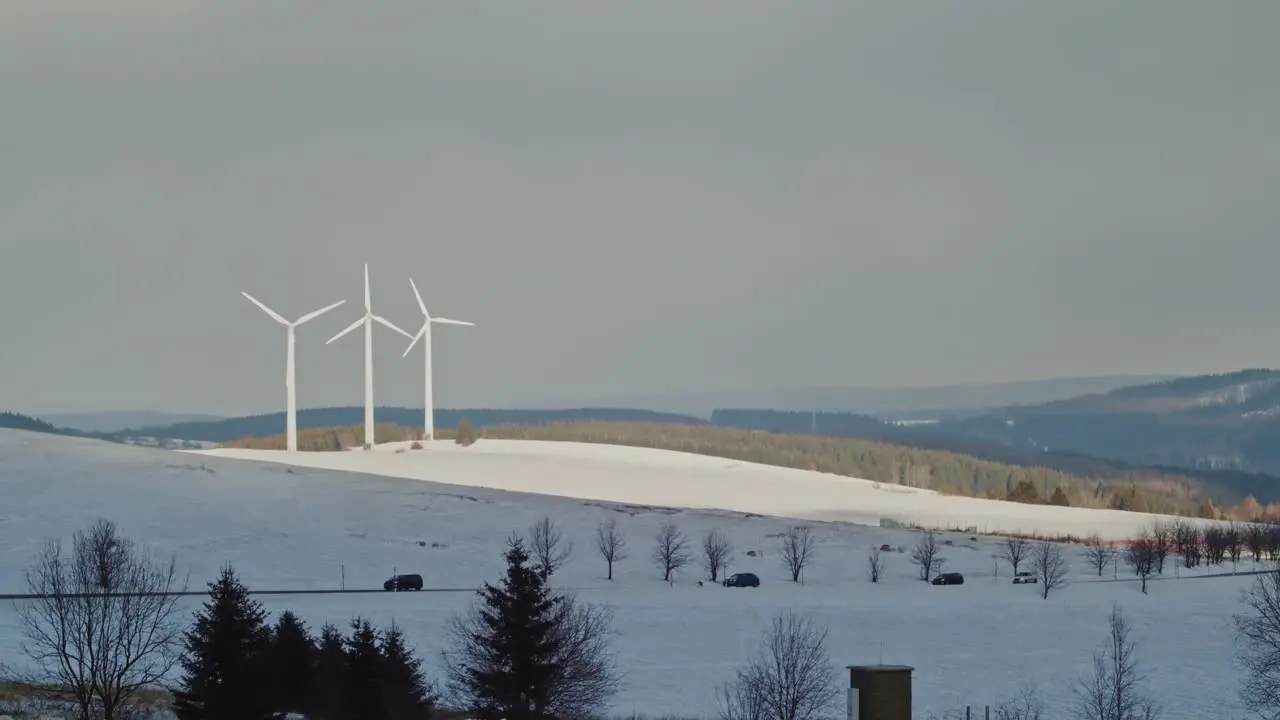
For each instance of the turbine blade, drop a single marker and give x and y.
(421, 331)
(349, 328)
(421, 305)
(367, 303)
(274, 315)
(317, 313)
(388, 323)
(447, 321)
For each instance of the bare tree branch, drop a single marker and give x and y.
(610, 543)
(671, 550)
(1026, 705)
(717, 552)
(547, 546)
(1258, 632)
(1161, 544)
(1014, 551)
(104, 624)
(1098, 553)
(1049, 567)
(875, 564)
(1141, 556)
(797, 549)
(791, 679)
(926, 555)
(1114, 690)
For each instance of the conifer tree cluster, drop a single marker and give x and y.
(237, 667)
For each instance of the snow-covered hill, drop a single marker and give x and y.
(614, 473)
(286, 526)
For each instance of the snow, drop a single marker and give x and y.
(285, 526)
(645, 476)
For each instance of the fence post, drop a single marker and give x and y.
(967, 715)
(988, 713)
(344, 576)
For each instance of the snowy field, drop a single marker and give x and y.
(297, 527)
(643, 476)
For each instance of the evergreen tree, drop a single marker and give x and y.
(1059, 498)
(364, 673)
(293, 661)
(224, 664)
(506, 663)
(328, 696)
(406, 693)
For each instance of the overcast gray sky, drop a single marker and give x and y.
(630, 197)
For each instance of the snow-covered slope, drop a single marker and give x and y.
(294, 527)
(645, 476)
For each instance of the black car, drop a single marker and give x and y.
(952, 578)
(742, 580)
(403, 582)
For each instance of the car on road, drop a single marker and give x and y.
(742, 580)
(951, 578)
(1024, 578)
(403, 582)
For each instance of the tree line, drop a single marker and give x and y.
(104, 626)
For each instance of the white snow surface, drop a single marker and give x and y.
(285, 526)
(645, 476)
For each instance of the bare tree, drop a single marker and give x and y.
(1114, 691)
(549, 549)
(926, 555)
(1255, 537)
(104, 623)
(717, 551)
(1141, 556)
(790, 679)
(1235, 542)
(875, 564)
(797, 549)
(1026, 705)
(1161, 544)
(1258, 634)
(610, 542)
(1216, 544)
(1098, 553)
(1049, 567)
(1014, 551)
(670, 550)
(1186, 539)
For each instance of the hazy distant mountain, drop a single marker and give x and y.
(895, 403)
(1228, 420)
(106, 422)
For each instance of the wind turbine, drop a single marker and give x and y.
(367, 321)
(424, 334)
(291, 411)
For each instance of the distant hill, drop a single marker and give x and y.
(108, 422)
(1222, 421)
(228, 429)
(899, 402)
(1225, 486)
(17, 421)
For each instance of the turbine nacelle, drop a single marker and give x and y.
(426, 325)
(280, 319)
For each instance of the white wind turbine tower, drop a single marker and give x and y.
(367, 321)
(424, 334)
(291, 411)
